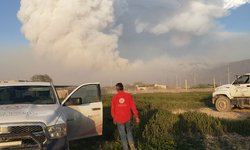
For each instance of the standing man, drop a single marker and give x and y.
(121, 106)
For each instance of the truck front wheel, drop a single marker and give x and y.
(223, 104)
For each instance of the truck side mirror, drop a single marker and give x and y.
(73, 101)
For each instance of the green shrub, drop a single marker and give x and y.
(160, 129)
(171, 101)
(198, 123)
(185, 131)
(158, 132)
(237, 126)
(111, 146)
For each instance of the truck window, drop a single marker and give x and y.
(27, 95)
(242, 80)
(88, 94)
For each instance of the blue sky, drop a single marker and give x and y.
(238, 20)
(10, 34)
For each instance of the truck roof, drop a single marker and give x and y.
(26, 84)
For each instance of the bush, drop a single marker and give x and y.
(170, 101)
(160, 129)
(199, 123)
(185, 131)
(158, 133)
(237, 126)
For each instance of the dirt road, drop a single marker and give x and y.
(238, 114)
(234, 114)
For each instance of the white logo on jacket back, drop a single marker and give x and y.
(121, 100)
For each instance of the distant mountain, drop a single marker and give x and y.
(224, 73)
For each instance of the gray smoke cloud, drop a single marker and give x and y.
(76, 33)
(92, 34)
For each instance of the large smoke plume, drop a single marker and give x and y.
(73, 32)
(86, 34)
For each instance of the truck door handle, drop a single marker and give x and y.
(95, 109)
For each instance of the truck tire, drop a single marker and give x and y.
(223, 104)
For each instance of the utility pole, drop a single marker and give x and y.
(176, 81)
(194, 80)
(228, 74)
(186, 85)
(214, 82)
(166, 78)
(111, 82)
(180, 84)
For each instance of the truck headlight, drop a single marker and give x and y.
(57, 131)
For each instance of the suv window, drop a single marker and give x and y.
(88, 94)
(27, 95)
(242, 80)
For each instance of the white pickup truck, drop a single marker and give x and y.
(236, 94)
(32, 117)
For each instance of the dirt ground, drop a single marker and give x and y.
(238, 114)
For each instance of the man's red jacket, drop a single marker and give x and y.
(121, 106)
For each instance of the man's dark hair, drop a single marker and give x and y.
(119, 86)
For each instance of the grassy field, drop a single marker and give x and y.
(161, 129)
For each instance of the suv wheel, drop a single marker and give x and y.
(223, 104)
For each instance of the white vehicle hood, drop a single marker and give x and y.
(223, 87)
(19, 113)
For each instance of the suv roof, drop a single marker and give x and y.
(26, 84)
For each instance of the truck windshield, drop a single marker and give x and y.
(27, 95)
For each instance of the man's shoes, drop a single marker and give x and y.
(132, 147)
